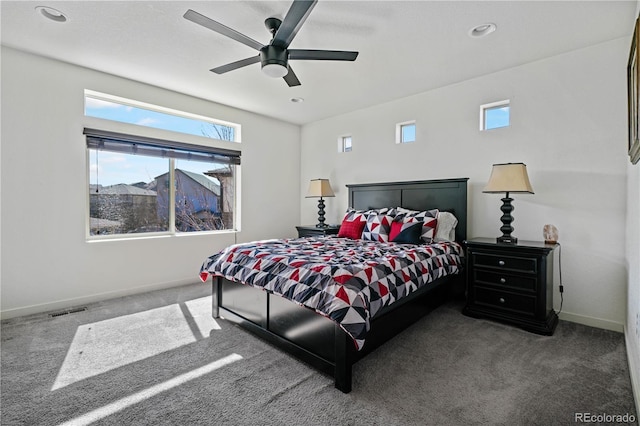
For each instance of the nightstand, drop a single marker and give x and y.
(312, 231)
(511, 283)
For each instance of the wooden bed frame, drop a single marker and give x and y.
(316, 339)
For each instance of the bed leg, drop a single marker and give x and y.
(216, 296)
(344, 360)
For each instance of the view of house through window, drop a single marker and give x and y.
(131, 194)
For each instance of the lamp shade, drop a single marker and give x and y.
(320, 188)
(509, 177)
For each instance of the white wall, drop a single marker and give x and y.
(632, 325)
(46, 261)
(568, 124)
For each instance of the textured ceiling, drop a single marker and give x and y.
(405, 47)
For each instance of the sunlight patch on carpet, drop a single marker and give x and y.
(152, 391)
(105, 345)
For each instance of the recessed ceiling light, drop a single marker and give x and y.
(51, 13)
(296, 100)
(482, 30)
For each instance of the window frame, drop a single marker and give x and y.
(342, 146)
(171, 231)
(400, 134)
(492, 106)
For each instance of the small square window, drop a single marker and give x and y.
(406, 132)
(495, 115)
(346, 143)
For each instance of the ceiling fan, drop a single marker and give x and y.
(274, 56)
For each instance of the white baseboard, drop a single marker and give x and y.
(634, 370)
(592, 322)
(68, 303)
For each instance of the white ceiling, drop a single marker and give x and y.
(405, 47)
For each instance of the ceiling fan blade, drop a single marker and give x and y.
(199, 19)
(237, 64)
(322, 55)
(291, 78)
(297, 14)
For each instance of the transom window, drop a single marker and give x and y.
(345, 144)
(406, 132)
(114, 108)
(495, 115)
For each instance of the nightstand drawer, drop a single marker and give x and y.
(482, 276)
(505, 300)
(524, 264)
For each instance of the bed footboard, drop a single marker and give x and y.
(299, 331)
(313, 338)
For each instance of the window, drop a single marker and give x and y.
(494, 115)
(140, 185)
(129, 111)
(406, 132)
(344, 144)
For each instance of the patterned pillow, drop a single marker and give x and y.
(351, 229)
(353, 214)
(406, 232)
(429, 219)
(377, 227)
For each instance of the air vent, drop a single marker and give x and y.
(66, 312)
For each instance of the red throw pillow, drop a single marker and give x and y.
(351, 229)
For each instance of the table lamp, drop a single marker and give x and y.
(508, 177)
(320, 188)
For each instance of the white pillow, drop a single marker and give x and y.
(446, 227)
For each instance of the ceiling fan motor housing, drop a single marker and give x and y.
(272, 55)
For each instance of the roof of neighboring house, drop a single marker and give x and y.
(202, 180)
(124, 189)
(223, 170)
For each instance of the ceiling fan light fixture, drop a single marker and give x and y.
(275, 70)
(482, 30)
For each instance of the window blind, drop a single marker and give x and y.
(152, 147)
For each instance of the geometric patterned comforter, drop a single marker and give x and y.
(346, 280)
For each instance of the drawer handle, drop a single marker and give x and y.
(501, 262)
(502, 281)
(501, 300)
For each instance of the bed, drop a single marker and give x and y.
(316, 336)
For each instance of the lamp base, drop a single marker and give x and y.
(507, 239)
(321, 223)
(506, 220)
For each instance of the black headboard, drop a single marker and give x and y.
(443, 194)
